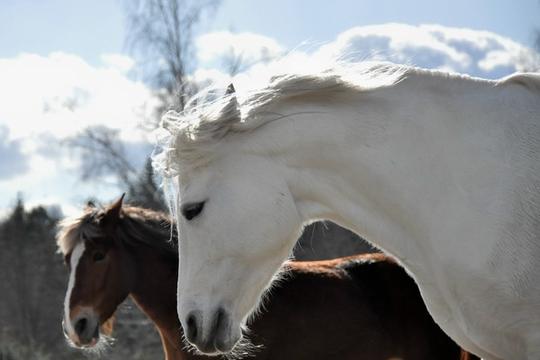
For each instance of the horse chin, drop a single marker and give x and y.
(91, 343)
(97, 344)
(222, 348)
(240, 348)
(223, 340)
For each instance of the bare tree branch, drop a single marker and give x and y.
(102, 153)
(161, 37)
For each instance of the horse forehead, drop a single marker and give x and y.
(196, 180)
(76, 254)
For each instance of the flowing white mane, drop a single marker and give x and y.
(190, 136)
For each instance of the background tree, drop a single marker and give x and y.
(160, 35)
(145, 191)
(32, 283)
(103, 154)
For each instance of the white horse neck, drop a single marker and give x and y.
(443, 173)
(435, 160)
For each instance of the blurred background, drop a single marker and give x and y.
(83, 84)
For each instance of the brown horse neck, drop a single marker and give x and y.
(154, 292)
(172, 350)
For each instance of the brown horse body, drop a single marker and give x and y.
(360, 307)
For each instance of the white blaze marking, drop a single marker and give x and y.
(74, 261)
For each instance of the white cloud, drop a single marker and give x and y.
(478, 53)
(119, 62)
(205, 77)
(218, 47)
(61, 94)
(46, 99)
(474, 52)
(388, 41)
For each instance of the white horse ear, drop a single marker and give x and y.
(230, 89)
(232, 109)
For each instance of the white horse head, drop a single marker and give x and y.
(386, 158)
(228, 200)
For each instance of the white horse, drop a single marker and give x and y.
(441, 171)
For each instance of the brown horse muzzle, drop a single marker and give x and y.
(85, 327)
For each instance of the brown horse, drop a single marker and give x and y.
(361, 307)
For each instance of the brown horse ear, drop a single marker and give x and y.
(112, 214)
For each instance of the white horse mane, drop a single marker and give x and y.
(191, 134)
(188, 137)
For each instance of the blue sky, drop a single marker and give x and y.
(64, 66)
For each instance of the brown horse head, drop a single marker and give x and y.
(101, 273)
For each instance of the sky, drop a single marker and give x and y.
(64, 66)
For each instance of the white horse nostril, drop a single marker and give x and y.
(192, 327)
(212, 335)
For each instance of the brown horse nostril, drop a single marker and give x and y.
(191, 331)
(80, 326)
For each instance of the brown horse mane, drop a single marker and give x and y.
(135, 226)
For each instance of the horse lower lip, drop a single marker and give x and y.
(214, 347)
(221, 348)
(89, 344)
(210, 351)
(209, 348)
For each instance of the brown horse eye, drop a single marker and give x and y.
(98, 256)
(190, 211)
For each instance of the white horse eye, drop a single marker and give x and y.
(189, 211)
